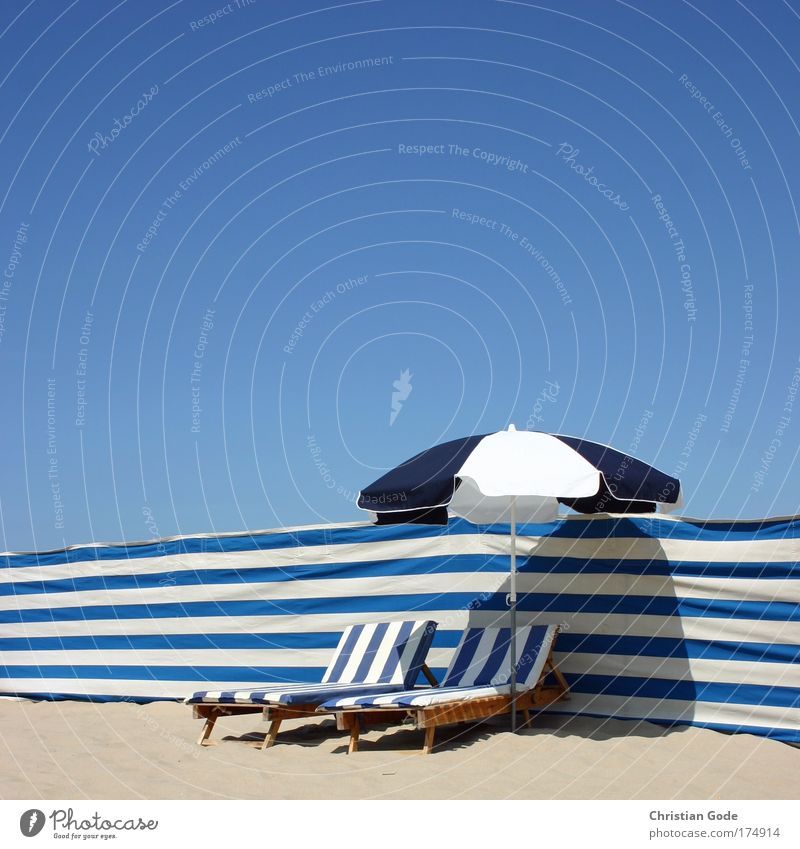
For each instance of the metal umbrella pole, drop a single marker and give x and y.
(512, 597)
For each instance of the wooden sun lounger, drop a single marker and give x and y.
(369, 659)
(274, 714)
(451, 713)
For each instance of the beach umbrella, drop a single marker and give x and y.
(517, 476)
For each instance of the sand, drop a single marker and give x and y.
(70, 750)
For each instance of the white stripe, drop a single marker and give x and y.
(357, 654)
(477, 583)
(168, 657)
(681, 669)
(615, 624)
(278, 558)
(688, 669)
(534, 671)
(291, 529)
(294, 529)
(382, 654)
(337, 653)
(123, 687)
(701, 551)
(619, 548)
(479, 658)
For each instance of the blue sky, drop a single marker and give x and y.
(227, 231)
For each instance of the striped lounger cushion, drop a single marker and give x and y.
(480, 667)
(375, 658)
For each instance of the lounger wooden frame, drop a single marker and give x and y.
(274, 714)
(451, 713)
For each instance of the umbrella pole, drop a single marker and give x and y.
(513, 604)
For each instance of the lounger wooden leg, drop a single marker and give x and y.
(526, 718)
(269, 739)
(355, 731)
(428, 745)
(206, 732)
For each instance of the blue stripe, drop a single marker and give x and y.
(92, 698)
(200, 674)
(263, 574)
(571, 643)
(496, 657)
(691, 691)
(656, 528)
(247, 542)
(342, 656)
(435, 565)
(416, 603)
(369, 655)
(396, 653)
(423, 647)
(296, 641)
(529, 654)
(768, 529)
(661, 568)
(568, 643)
(463, 657)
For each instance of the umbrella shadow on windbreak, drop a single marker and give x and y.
(621, 644)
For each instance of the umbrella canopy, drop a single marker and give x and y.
(516, 475)
(474, 477)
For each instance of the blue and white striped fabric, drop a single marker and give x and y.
(480, 667)
(379, 658)
(672, 620)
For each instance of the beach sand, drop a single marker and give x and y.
(71, 750)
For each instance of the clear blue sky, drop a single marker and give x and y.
(227, 231)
